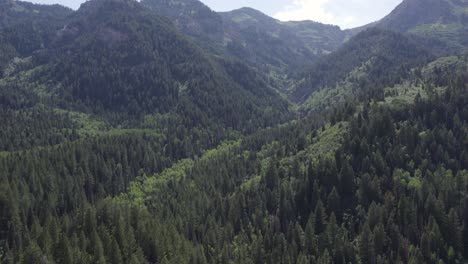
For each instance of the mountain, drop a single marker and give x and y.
(17, 12)
(275, 47)
(413, 13)
(191, 17)
(29, 27)
(118, 56)
(289, 45)
(316, 37)
(446, 20)
(302, 182)
(377, 55)
(374, 57)
(154, 132)
(26, 27)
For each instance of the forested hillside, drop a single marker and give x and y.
(372, 58)
(276, 48)
(117, 63)
(163, 132)
(25, 27)
(126, 59)
(443, 20)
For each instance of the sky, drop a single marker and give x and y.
(344, 13)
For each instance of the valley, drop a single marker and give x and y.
(161, 131)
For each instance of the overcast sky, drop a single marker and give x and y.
(345, 13)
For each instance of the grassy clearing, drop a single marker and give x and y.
(86, 123)
(144, 185)
(326, 97)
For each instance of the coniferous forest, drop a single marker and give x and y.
(161, 131)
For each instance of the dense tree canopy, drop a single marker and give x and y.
(124, 141)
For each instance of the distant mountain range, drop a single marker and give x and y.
(284, 47)
(446, 20)
(252, 36)
(427, 29)
(382, 57)
(160, 131)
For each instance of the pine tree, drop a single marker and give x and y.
(320, 218)
(64, 253)
(97, 249)
(366, 247)
(310, 237)
(271, 176)
(379, 239)
(334, 202)
(347, 180)
(115, 256)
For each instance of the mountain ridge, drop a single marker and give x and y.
(372, 51)
(129, 136)
(253, 42)
(445, 20)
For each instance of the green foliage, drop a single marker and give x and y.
(362, 61)
(123, 142)
(276, 48)
(442, 21)
(28, 27)
(270, 206)
(126, 62)
(143, 186)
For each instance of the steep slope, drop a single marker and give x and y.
(374, 57)
(446, 20)
(28, 26)
(306, 193)
(191, 16)
(412, 13)
(17, 12)
(283, 45)
(122, 141)
(390, 181)
(7, 53)
(316, 37)
(272, 46)
(118, 56)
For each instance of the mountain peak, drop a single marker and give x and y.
(249, 10)
(98, 3)
(248, 14)
(411, 13)
(6, 1)
(191, 16)
(442, 21)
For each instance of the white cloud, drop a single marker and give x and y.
(345, 13)
(306, 10)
